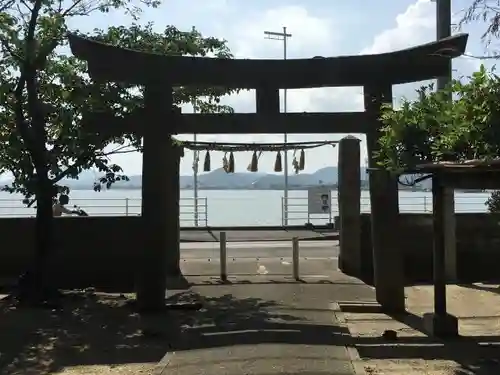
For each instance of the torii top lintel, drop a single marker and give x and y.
(111, 63)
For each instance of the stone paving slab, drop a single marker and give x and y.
(476, 300)
(414, 352)
(255, 330)
(265, 359)
(342, 287)
(287, 328)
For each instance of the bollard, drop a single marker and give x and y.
(295, 258)
(223, 256)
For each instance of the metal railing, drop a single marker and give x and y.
(297, 212)
(196, 214)
(236, 211)
(115, 207)
(298, 207)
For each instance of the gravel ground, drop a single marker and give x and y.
(89, 334)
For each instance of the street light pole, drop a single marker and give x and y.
(443, 30)
(283, 36)
(196, 159)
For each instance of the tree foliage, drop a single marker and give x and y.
(44, 92)
(435, 128)
(493, 202)
(486, 11)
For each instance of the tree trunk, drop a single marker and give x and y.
(44, 228)
(34, 285)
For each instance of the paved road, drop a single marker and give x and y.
(238, 235)
(317, 258)
(262, 250)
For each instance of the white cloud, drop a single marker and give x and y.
(312, 36)
(317, 36)
(414, 26)
(313, 33)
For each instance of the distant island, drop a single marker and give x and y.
(220, 180)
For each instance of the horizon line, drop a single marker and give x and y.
(244, 171)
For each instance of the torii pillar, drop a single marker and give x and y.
(388, 261)
(160, 199)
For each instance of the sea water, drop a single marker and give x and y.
(236, 207)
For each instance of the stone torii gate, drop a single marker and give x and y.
(159, 120)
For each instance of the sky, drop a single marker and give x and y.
(318, 28)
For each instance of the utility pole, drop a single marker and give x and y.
(196, 159)
(283, 36)
(443, 30)
(196, 162)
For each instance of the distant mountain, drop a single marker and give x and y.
(323, 176)
(220, 180)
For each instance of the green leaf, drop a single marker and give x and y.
(63, 91)
(435, 128)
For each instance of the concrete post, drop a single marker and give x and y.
(388, 257)
(223, 256)
(450, 235)
(349, 198)
(295, 258)
(439, 323)
(388, 261)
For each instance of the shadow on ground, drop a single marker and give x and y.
(86, 330)
(103, 329)
(476, 355)
(226, 321)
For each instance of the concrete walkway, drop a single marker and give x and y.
(260, 326)
(475, 352)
